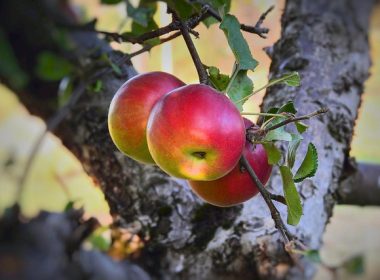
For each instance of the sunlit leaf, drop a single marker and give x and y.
(218, 80)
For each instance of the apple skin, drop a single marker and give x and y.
(130, 108)
(237, 186)
(195, 132)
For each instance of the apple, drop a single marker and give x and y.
(237, 186)
(195, 132)
(130, 108)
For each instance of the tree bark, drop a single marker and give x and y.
(326, 41)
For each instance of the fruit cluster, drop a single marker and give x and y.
(190, 131)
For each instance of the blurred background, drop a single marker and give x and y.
(57, 177)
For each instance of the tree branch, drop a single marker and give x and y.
(268, 200)
(360, 185)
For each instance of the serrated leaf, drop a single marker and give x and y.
(218, 80)
(290, 79)
(110, 2)
(51, 67)
(239, 46)
(240, 87)
(292, 151)
(293, 200)
(287, 108)
(313, 255)
(354, 265)
(301, 127)
(309, 164)
(274, 154)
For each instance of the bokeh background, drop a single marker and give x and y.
(57, 177)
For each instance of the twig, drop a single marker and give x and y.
(257, 29)
(202, 74)
(296, 119)
(279, 224)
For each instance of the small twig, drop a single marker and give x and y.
(279, 224)
(257, 29)
(296, 119)
(202, 74)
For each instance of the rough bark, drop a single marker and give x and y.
(326, 41)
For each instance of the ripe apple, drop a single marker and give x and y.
(130, 108)
(195, 132)
(237, 186)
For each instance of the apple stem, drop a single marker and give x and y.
(184, 28)
(262, 114)
(279, 224)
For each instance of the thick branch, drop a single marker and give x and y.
(362, 185)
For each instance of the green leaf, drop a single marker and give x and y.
(290, 79)
(301, 127)
(99, 241)
(240, 87)
(221, 6)
(354, 265)
(110, 2)
(272, 110)
(313, 255)
(274, 154)
(218, 80)
(239, 46)
(209, 21)
(97, 87)
(183, 8)
(143, 20)
(292, 150)
(287, 108)
(116, 68)
(279, 134)
(9, 66)
(69, 206)
(309, 164)
(143, 14)
(293, 200)
(51, 67)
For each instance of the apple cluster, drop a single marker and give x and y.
(190, 131)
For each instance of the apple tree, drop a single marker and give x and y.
(319, 66)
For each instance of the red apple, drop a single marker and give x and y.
(237, 186)
(130, 108)
(195, 132)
